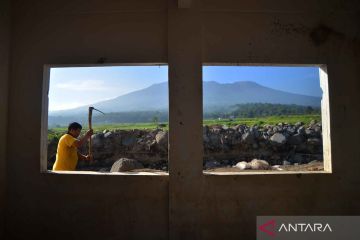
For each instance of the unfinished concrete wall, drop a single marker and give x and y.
(186, 204)
(78, 206)
(4, 78)
(288, 32)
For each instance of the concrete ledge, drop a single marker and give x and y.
(107, 173)
(254, 172)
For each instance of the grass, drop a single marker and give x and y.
(260, 121)
(59, 131)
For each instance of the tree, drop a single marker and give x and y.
(155, 120)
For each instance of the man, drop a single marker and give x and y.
(67, 151)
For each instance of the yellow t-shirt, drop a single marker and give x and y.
(66, 156)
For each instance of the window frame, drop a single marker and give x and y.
(45, 112)
(325, 119)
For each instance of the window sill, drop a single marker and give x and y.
(106, 173)
(254, 172)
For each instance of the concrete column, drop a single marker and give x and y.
(185, 120)
(4, 78)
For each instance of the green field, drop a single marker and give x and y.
(271, 120)
(57, 132)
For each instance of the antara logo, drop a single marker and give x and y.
(305, 227)
(270, 227)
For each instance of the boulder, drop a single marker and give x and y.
(236, 139)
(107, 135)
(128, 140)
(257, 164)
(301, 130)
(276, 167)
(309, 132)
(206, 139)
(296, 139)
(241, 128)
(161, 139)
(97, 139)
(214, 139)
(314, 141)
(248, 138)
(318, 131)
(216, 129)
(278, 138)
(255, 132)
(243, 165)
(125, 164)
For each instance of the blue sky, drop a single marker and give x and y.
(79, 86)
(301, 80)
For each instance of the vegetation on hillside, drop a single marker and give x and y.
(252, 110)
(249, 110)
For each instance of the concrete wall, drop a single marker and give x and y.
(186, 204)
(74, 206)
(4, 79)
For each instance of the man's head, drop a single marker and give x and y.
(74, 129)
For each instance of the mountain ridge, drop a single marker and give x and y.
(155, 97)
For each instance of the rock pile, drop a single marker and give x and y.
(293, 143)
(224, 146)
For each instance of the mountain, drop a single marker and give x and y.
(227, 94)
(216, 96)
(152, 98)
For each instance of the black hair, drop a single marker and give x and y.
(74, 125)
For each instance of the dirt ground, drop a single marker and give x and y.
(312, 166)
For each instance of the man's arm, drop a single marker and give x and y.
(79, 143)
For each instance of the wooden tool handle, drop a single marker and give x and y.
(90, 127)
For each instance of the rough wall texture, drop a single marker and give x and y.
(295, 32)
(4, 77)
(74, 206)
(186, 204)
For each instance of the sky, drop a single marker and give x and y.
(301, 80)
(78, 86)
(73, 87)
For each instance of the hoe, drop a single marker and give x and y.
(90, 126)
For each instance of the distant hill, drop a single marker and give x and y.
(216, 96)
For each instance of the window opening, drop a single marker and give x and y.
(265, 119)
(129, 117)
